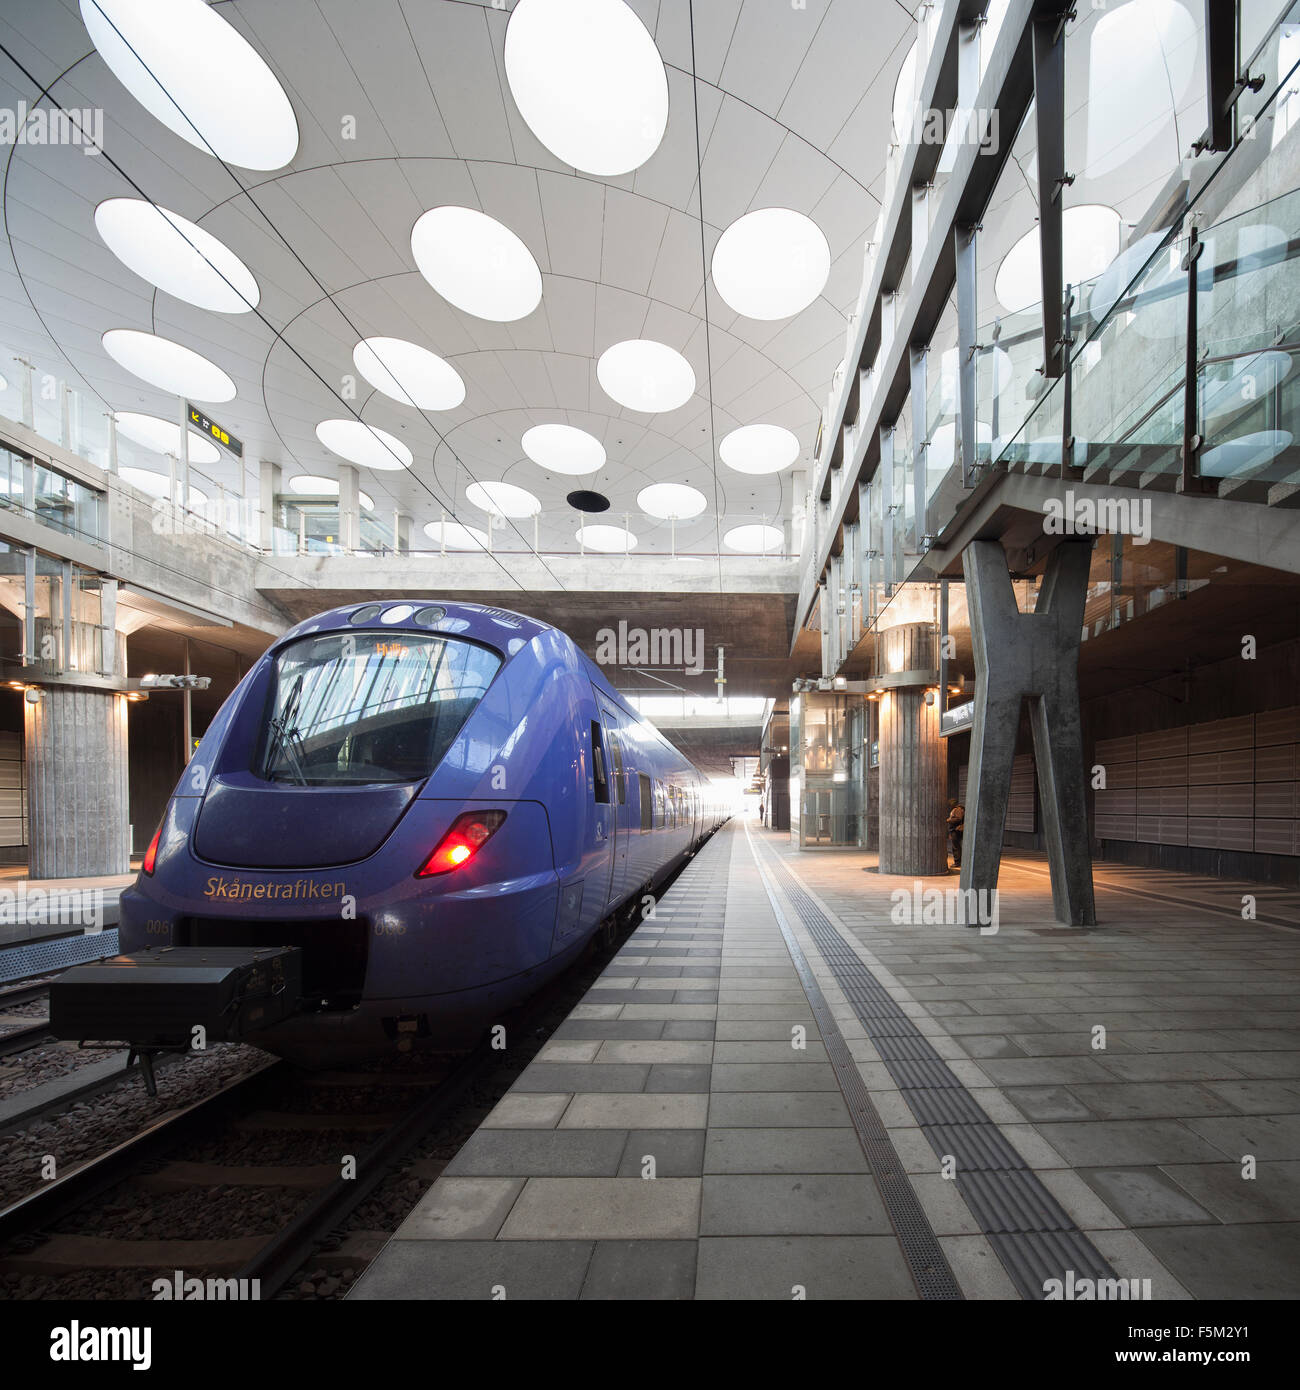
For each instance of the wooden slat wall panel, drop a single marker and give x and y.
(1162, 830)
(1163, 743)
(1277, 800)
(13, 792)
(1020, 805)
(1277, 836)
(1221, 768)
(1221, 832)
(1221, 734)
(1278, 726)
(1162, 801)
(1116, 750)
(1162, 772)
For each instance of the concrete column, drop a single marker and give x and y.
(77, 803)
(268, 488)
(349, 507)
(913, 758)
(1034, 656)
(402, 532)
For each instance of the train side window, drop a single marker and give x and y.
(647, 802)
(620, 777)
(600, 778)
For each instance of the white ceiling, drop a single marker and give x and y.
(793, 111)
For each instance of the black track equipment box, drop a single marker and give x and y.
(158, 997)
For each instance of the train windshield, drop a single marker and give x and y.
(355, 708)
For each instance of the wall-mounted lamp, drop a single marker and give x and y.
(929, 697)
(32, 695)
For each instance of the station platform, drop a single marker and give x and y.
(782, 1088)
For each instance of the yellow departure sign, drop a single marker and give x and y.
(206, 425)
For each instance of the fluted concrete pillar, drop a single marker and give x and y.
(913, 758)
(77, 804)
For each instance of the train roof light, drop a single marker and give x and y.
(468, 834)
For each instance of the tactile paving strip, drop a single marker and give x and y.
(931, 1272)
(1035, 1238)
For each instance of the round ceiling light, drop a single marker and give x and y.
(644, 375)
(157, 484)
(168, 366)
(754, 540)
(360, 443)
(453, 536)
(198, 75)
(409, 373)
(1091, 236)
(564, 449)
(176, 255)
(759, 449)
(671, 501)
(164, 436)
(609, 540)
(314, 485)
(771, 264)
(589, 81)
(503, 499)
(476, 263)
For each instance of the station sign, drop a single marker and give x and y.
(957, 720)
(204, 424)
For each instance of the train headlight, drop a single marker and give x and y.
(468, 834)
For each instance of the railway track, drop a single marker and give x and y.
(250, 1181)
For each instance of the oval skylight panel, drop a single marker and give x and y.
(609, 540)
(589, 81)
(198, 75)
(759, 449)
(167, 365)
(314, 485)
(455, 536)
(754, 540)
(360, 443)
(158, 484)
(476, 263)
(409, 373)
(671, 501)
(563, 449)
(1090, 233)
(644, 375)
(176, 255)
(503, 499)
(164, 436)
(771, 264)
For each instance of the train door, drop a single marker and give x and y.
(606, 808)
(619, 812)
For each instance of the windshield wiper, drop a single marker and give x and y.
(285, 736)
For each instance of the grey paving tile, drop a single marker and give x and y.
(687, 1030)
(525, 1110)
(820, 1204)
(773, 1076)
(1155, 1100)
(487, 1269)
(677, 1153)
(577, 1076)
(774, 1051)
(636, 1111)
(536, 1152)
(629, 1028)
(1145, 1196)
(1273, 1194)
(461, 1209)
(1100, 1142)
(808, 1267)
(1238, 1262)
(605, 1209)
(1267, 1137)
(785, 1150)
(773, 1109)
(641, 1270)
(1048, 1103)
(682, 1078)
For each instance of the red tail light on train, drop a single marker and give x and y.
(468, 834)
